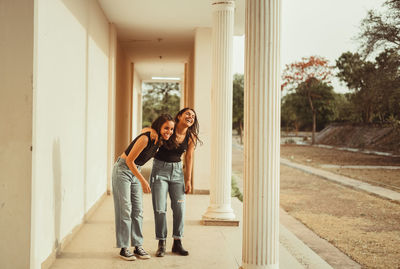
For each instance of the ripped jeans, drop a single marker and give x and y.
(127, 192)
(168, 177)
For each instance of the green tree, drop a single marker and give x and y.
(388, 84)
(238, 104)
(344, 109)
(375, 85)
(309, 78)
(291, 112)
(159, 98)
(359, 76)
(296, 108)
(381, 30)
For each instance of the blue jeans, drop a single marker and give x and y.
(127, 192)
(168, 177)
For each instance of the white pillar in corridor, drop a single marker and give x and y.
(260, 247)
(221, 111)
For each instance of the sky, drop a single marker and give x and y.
(325, 28)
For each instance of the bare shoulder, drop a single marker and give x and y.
(142, 140)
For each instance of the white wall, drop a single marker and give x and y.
(202, 106)
(16, 67)
(70, 118)
(137, 105)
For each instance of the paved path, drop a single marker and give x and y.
(360, 166)
(382, 192)
(357, 150)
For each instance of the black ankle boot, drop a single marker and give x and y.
(178, 248)
(161, 248)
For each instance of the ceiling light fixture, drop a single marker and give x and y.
(165, 78)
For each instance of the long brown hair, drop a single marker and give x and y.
(192, 131)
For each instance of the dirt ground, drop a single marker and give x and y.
(317, 157)
(364, 227)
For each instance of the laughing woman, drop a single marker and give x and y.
(167, 176)
(128, 183)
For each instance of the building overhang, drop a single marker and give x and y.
(158, 35)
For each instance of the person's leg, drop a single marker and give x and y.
(121, 182)
(177, 195)
(159, 189)
(122, 203)
(137, 219)
(137, 213)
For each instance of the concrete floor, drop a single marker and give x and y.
(209, 246)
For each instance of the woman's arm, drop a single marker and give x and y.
(137, 148)
(188, 166)
(153, 133)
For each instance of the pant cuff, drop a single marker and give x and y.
(177, 237)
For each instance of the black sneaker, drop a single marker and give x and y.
(178, 248)
(126, 255)
(141, 253)
(161, 248)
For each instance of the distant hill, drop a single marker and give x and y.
(386, 139)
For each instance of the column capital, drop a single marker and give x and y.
(222, 5)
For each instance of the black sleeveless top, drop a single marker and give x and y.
(147, 153)
(173, 155)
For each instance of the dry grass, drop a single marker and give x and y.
(314, 156)
(365, 227)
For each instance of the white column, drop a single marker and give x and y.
(221, 112)
(260, 247)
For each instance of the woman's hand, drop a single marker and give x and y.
(145, 186)
(188, 186)
(153, 133)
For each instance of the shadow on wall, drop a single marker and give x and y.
(57, 192)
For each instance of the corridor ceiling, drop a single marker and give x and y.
(158, 35)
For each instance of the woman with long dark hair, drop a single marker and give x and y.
(128, 184)
(167, 176)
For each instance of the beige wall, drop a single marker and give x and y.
(123, 101)
(202, 105)
(137, 104)
(70, 119)
(16, 68)
(188, 89)
(112, 44)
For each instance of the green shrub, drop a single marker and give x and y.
(235, 189)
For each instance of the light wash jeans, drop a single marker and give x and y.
(168, 177)
(127, 192)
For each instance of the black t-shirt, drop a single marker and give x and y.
(172, 155)
(147, 153)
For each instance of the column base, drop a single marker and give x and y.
(219, 216)
(215, 222)
(255, 266)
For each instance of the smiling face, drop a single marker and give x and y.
(187, 117)
(167, 129)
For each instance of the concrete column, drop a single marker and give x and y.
(221, 111)
(260, 247)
